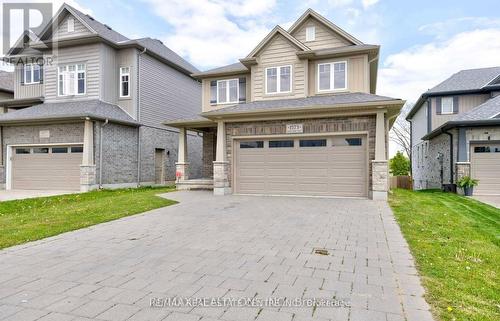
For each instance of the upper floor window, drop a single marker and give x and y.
(125, 82)
(447, 105)
(311, 33)
(278, 79)
(32, 74)
(227, 91)
(332, 76)
(71, 80)
(71, 24)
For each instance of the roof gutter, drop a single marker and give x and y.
(288, 110)
(462, 123)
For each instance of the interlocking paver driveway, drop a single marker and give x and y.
(230, 247)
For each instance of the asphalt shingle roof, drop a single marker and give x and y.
(96, 109)
(236, 67)
(6, 80)
(471, 79)
(314, 101)
(488, 110)
(104, 31)
(163, 51)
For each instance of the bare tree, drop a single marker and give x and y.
(400, 132)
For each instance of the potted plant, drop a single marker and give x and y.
(467, 183)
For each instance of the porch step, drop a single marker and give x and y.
(193, 184)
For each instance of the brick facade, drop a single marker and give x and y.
(119, 150)
(310, 126)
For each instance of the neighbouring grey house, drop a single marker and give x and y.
(6, 86)
(88, 108)
(455, 132)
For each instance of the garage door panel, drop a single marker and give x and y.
(485, 167)
(326, 171)
(46, 171)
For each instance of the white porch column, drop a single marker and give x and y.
(87, 168)
(221, 165)
(380, 169)
(182, 164)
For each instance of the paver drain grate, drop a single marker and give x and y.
(321, 252)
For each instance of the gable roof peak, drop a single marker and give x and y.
(277, 30)
(330, 25)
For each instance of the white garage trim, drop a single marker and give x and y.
(236, 139)
(10, 148)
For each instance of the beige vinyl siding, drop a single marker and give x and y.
(25, 91)
(325, 37)
(62, 30)
(127, 58)
(465, 103)
(358, 79)
(206, 91)
(278, 52)
(108, 74)
(88, 54)
(165, 93)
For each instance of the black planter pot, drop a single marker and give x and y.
(468, 191)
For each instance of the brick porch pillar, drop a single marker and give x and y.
(182, 165)
(88, 172)
(380, 168)
(221, 165)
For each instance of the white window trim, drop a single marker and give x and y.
(71, 26)
(332, 75)
(32, 82)
(278, 80)
(452, 106)
(76, 79)
(313, 38)
(121, 82)
(227, 91)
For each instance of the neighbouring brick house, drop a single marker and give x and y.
(92, 117)
(297, 116)
(455, 132)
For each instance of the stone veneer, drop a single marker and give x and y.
(380, 179)
(310, 126)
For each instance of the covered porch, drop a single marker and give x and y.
(209, 130)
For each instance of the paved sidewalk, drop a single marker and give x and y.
(230, 247)
(9, 195)
(490, 200)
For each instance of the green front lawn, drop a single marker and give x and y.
(456, 244)
(33, 219)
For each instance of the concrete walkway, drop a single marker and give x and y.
(10, 195)
(490, 200)
(221, 247)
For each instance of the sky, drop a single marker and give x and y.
(422, 42)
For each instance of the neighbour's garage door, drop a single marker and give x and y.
(46, 168)
(485, 163)
(332, 166)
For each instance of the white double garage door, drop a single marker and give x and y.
(45, 167)
(312, 166)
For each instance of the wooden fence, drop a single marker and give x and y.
(403, 182)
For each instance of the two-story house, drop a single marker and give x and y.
(297, 116)
(455, 132)
(88, 108)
